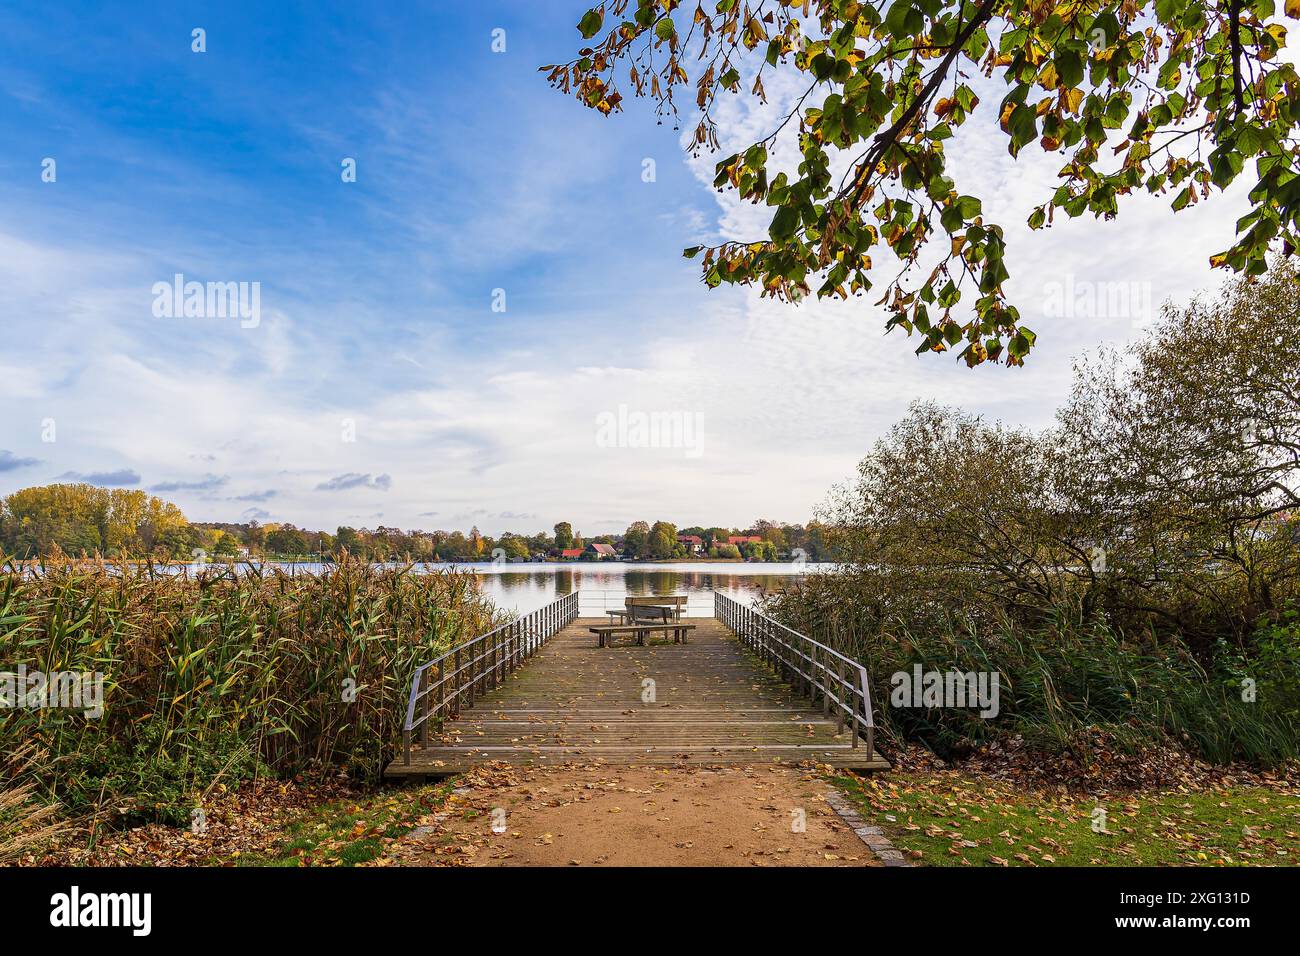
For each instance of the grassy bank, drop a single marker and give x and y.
(950, 819)
(213, 679)
(354, 831)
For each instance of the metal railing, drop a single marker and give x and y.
(442, 687)
(596, 601)
(809, 666)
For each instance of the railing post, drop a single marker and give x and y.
(857, 717)
(839, 694)
(442, 691)
(455, 683)
(469, 676)
(424, 726)
(825, 681)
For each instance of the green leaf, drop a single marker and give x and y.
(1069, 67)
(784, 224)
(590, 24)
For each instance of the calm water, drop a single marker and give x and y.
(603, 585)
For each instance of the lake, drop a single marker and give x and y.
(602, 586)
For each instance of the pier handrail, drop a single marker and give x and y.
(810, 666)
(442, 686)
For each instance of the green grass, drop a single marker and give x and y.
(350, 832)
(951, 820)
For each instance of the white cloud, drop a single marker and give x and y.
(498, 423)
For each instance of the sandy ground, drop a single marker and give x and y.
(630, 816)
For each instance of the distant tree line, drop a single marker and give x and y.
(82, 519)
(85, 519)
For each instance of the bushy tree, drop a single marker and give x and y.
(1191, 448)
(663, 542)
(636, 540)
(563, 535)
(1162, 501)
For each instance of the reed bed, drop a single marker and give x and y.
(218, 676)
(1063, 681)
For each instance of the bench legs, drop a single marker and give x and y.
(678, 632)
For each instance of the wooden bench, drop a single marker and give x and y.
(607, 632)
(675, 601)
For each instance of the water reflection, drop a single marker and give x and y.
(603, 587)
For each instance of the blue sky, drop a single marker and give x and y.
(376, 296)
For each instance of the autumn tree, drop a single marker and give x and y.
(959, 515)
(564, 535)
(288, 540)
(636, 540)
(663, 540)
(86, 519)
(1173, 97)
(771, 531)
(515, 546)
(1192, 443)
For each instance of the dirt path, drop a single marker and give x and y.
(635, 816)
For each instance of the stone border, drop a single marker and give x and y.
(873, 837)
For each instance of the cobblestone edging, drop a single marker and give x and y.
(873, 837)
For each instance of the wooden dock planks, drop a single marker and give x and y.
(707, 702)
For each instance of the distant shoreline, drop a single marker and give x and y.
(311, 559)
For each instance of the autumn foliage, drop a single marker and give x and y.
(1178, 98)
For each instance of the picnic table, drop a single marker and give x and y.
(641, 615)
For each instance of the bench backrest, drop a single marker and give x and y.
(670, 600)
(649, 612)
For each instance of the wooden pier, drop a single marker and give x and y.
(712, 701)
